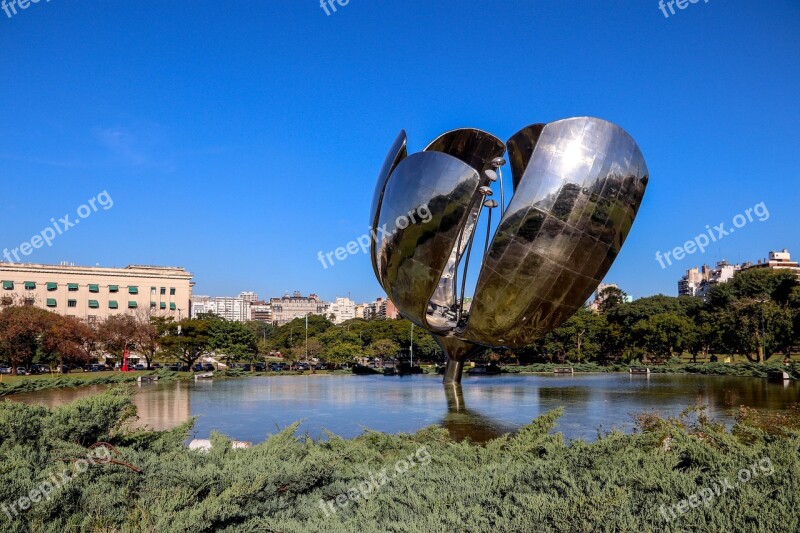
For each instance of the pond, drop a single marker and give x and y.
(250, 409)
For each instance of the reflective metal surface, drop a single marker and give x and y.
(578, 184)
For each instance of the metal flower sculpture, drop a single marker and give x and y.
(577, 186)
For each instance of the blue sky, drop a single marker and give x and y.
(239, 139)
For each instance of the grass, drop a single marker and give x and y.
(531, 481)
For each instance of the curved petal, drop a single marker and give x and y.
(565, 225)
(397, 153)
(474, 147)
(410, 258)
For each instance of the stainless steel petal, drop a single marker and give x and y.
(570, 214)
(472, 146)
(410, 261)
(520, 150)
(397, 153)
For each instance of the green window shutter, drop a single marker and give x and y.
(8, 285)
(132, 304)
(94, 288)
(30, 285)
(113, 304)
(113, 288)
(94, 304)
(72, 287)
(51, 302)
(163, 305)
(173, 306)
(52, 286)
(133, 290)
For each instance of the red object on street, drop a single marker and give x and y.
(125, 361)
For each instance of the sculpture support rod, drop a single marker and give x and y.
(452, 373)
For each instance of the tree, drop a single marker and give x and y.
(150, 328)
(188, 340)
(67, 339)
(756, 328)
(340, 352)
(665, 335)
(384, 348)
(611, 298)
(21, 332)
(234, 340)
(118, 333)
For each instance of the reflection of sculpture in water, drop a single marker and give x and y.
(577, 186)
(463, 423)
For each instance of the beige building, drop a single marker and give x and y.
(286, 309)
(94, 293)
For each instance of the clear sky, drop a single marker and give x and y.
(238, 139)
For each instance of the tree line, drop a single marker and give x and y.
(755, 315)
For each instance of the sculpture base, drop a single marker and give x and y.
(457, 351)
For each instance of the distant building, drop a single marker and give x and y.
(342, 310)
(287, 308)
(699, 281)
(249, 297)
(386, 309)
(232, 308)
(95, 293)
(777, 261)
(261, 312)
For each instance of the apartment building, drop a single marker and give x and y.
(233, 308)
(698, 281)
(342, 310)
(94, 293)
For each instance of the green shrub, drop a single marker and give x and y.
(531, 481)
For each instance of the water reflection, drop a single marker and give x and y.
(251, 409)
(463, 423)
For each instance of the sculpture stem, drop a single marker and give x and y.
(452, 373)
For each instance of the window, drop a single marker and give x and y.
(29, 302)
(6, 300)
(163, 305)
(172, 291)
(152, 305)
(91, 319)
(133, 290)
(94, 304)
(132, 304)
(30, 285)
(173, 306)
(163, 291)
(72, 303)
(8, 285)
(52, 286)
(94, 288)
(113, 288)
(112, 304)
(51, 302)
(72, 287)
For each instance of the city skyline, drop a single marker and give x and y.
(243, 165)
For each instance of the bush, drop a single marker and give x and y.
(531, 481)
